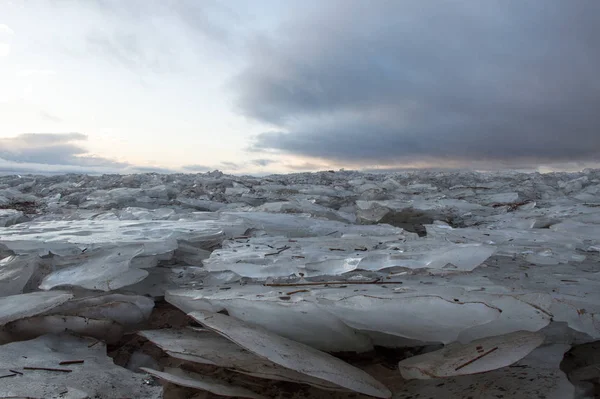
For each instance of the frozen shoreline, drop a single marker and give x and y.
(338, 261)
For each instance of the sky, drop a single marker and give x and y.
(112, 86)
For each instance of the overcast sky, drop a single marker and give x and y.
(279, 86)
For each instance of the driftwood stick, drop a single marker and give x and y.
(48, 369)
(379, 282)
(280, 250)
(296, 292)
(475, 359)
(69, 362)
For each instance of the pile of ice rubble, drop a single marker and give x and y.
(411, 285)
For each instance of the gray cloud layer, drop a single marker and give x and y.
(51, 149)
(58, 153)
(197, 168)
(497, 81)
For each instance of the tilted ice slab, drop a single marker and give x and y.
(207, 347)
(106, 270)
(293, 355)
(96, 377)
(157, 236)
(537, 246)
(109, 254)
(437, 315)
(278, 256)
(202, 382)
(519, 312)
(303, 206)
(133, 213)
(15, 272)
(579, 312)
(127, 310)
(8, 217)
(33, 327)
(428, 318)
(578, 229)
(538, 375)
(303, 225)
(435, 308)
(476, 357)
(302, 321)
(16, 307)
(161, 279)
(301, 324)
(439, 205)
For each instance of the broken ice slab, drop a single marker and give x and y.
(519, 312)
(539, 245)
(127, 310)
(161, 279)
(303, 225)
(133, 213)
(334, 334)
(13, 195)
(475, 357)
(33, 327)
(237, 190)
(201, 204)
(310, 189)
(425, 318)
(566, 293)
(105, 270)
(205, 383)
(207, 347)
(293, 355)
(277, 256)
(119, 197)
(431, 207)
(303, 206)
(16, 307)
(581, 313)
(8, 217)
(15, 272)
(97, 376)
(590, 194)
(538, 375)
(430, 254)
(303, 322)
(577, 229)
(157, 236)
(426, 310)
(498, 198)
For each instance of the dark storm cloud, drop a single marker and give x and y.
(403, 81)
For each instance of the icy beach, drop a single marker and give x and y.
(327, 285)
